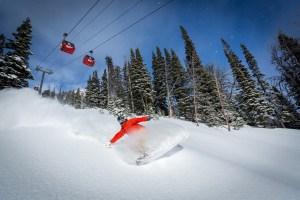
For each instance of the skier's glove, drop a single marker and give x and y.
(109, 145)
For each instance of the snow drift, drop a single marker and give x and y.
(157, 139)
(51, 151)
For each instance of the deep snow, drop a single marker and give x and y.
(51, 151)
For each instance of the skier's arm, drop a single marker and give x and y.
(137, 120)
(128, 124)
(120, 134)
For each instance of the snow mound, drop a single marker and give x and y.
(157, 139)
(26, 108)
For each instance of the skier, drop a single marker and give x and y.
(128, 126)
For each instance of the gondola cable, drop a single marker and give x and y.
(129, 9)
(83, 17)
(70, 31)
(111, 23)
(141, 19)
(93, 19)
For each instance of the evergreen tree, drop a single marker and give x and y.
(159, 82)
(286, 55)
(116, 99)
(128, 102)
(169, 82)
(2, 44)
(229, 113)
(145, 84)
(193, 64)
(263, 86)
(285, 110)
(104, 91)
(88, 92)
(77, 99)
(255, 109)
(110, 76)
(69, 99)
(203, 87)
(14, 67)
(252, 63)
(140, 84)
(118, 84)
(179, 86)
(52, 94)
(95, 90)
(60, 96)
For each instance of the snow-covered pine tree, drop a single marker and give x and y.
(110, 76)
(262, 85)
(14, 69)
(255, 109)
(95, 91)
(116, 103)
(69, 98)
(73, 93)
(155, 83)
(63, 97)
(2, 44)
(116, 99)
(286, 56)
(229, 113)
(118, 84)
(180, 89)
(140, 84)
(145, 84)
(88, 92)
(128, 102)
(285, 110)
(104, 91)
(193, 64)
(209, 104)
(169, 80)
(2, 62)
(159, 83)
(134, 76)
(77, 99)
(53, 94)
(60, 96)
(202, 84)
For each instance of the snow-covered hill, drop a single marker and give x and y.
(51, 151)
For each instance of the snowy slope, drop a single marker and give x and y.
(51, 151)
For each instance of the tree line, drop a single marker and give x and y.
(204, 93)
(189, 90)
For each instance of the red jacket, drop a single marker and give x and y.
(128, 127)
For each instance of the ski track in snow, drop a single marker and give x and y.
(51, 151)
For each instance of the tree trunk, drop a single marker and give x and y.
(131, 95)
(194, 91)
(221, 101)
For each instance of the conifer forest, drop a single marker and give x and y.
(188, 90)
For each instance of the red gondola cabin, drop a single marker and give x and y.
(67, 47)
(89, 61)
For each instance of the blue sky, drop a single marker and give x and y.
(253, 23)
